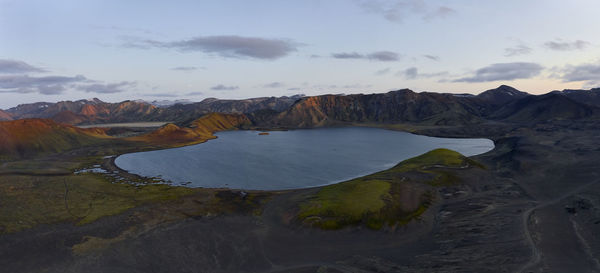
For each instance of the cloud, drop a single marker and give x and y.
(274, 85)
(16, 67)
(383, 71)
(229, 46)
(49, 85)
(432, 57)
(293, 89)
(398, 10)
(221, 87)
(411, 73)
(383, 56)
(109, 88)
(195, 93)
(440, 12)
(55, 85)
(186, 68)
(344, 55)
(588, 73)
(561, 45)
(517, 50)
(504, 72)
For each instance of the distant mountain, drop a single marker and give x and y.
(590, 97)
(5, 115)
(397, 107)
(87, 111)
(21, 138)
(199, 130)
(552, 106)
(189, 112)
(402, 106)
(96, 111)
(501, 95)
(167, 103)
(493, 99)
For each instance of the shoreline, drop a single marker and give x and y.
(112, 166)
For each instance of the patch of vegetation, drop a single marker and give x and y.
(346, 203)
(385, 198)
(31, 200)
(438, 157)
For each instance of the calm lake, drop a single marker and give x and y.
(289, 159)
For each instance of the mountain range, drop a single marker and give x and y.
(95, 111)
(48, 127)
(505, 104)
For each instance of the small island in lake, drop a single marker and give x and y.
(263, 133)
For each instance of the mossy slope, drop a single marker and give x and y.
(387, 197)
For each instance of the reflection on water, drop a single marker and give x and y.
(289, 159)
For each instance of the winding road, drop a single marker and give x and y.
(535, 253)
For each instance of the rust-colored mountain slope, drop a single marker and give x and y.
(5, 116)
(402, 106)
(26, 137)
(200, 130)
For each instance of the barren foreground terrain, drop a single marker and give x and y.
(533, 208)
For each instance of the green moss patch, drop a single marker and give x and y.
(31, 200)
(392, 197)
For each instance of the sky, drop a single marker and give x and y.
(232, 49)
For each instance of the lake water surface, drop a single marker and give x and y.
(289, 159)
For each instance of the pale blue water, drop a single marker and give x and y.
(289, 159)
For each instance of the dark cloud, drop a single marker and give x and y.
(15, 67)
(384, 56)
(293, 89)
(344, 55)
(398, 10)
(274, 85)
(411, 73)
(504, 72)
(195, 93)
(432, 57)
(587, 73)
(383, 71)
(50, 85)
(561, 45)
(186, 68)
(54, 85)
(517, 50)
(107, 88)
(231, 46)
(221, 87)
